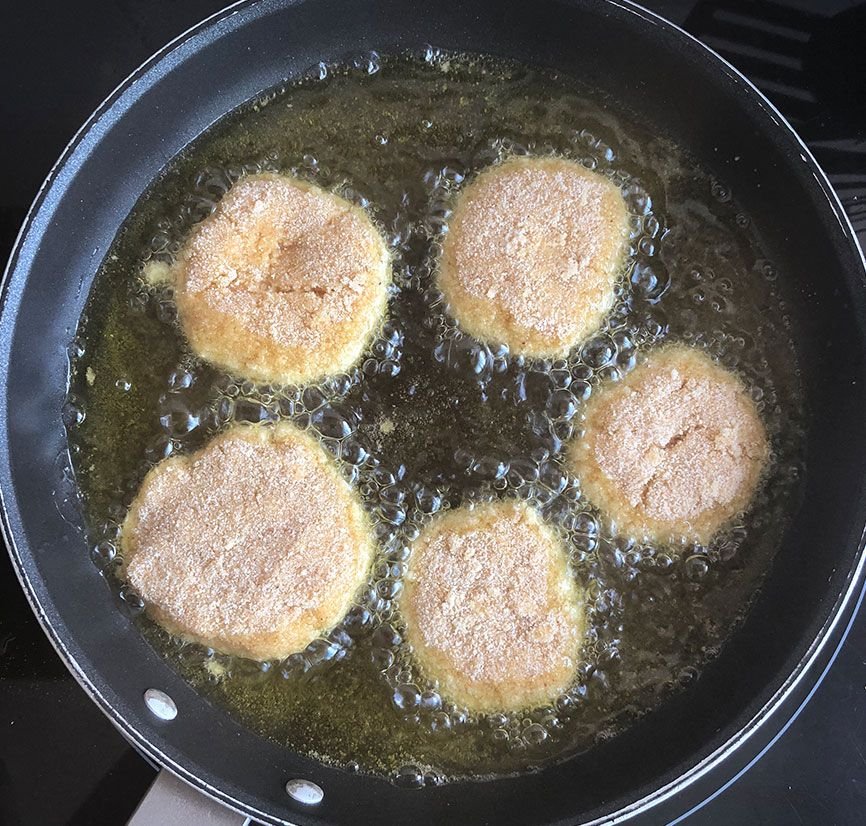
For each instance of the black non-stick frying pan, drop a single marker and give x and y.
(664, 76)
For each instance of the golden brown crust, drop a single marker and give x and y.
(491, 610)
(254, 545)
(674, 450)
(284, 283)
(532, 254)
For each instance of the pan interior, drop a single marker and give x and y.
(431, 419)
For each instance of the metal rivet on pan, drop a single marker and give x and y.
(305, 791)
(160, 704)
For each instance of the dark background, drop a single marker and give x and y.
(61, 762)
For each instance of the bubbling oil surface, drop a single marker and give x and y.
(431, 419)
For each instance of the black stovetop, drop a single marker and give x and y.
(61, 762)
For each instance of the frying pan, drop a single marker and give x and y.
(671, 758)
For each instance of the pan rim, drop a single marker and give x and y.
(821, 652)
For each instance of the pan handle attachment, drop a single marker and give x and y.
(170, 800)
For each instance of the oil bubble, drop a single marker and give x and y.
(331, 423)
(561, 405)
(382, 659)
(440, 722)
(490, 468)
(406, 698)
(103, 554)
(429, 501)
(180, 379)
(534, 734)
(697, 566)
(430, 701)
(598, 351)
(73, 412)
(176, 418)
(253, 410)
(409, 777)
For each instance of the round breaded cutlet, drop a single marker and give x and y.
(490, 609)
(254, 546)
(532, 254)
(284, 283)
(674, 450)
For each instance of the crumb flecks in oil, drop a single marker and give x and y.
(430, 420)
(156, 273)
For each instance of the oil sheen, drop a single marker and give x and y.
(430, 419)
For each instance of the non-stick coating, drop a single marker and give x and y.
(649, 67)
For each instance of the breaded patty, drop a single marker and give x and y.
(532, 254)
(254, 546)
(490, 608)
(675, 449)
(283, 283)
